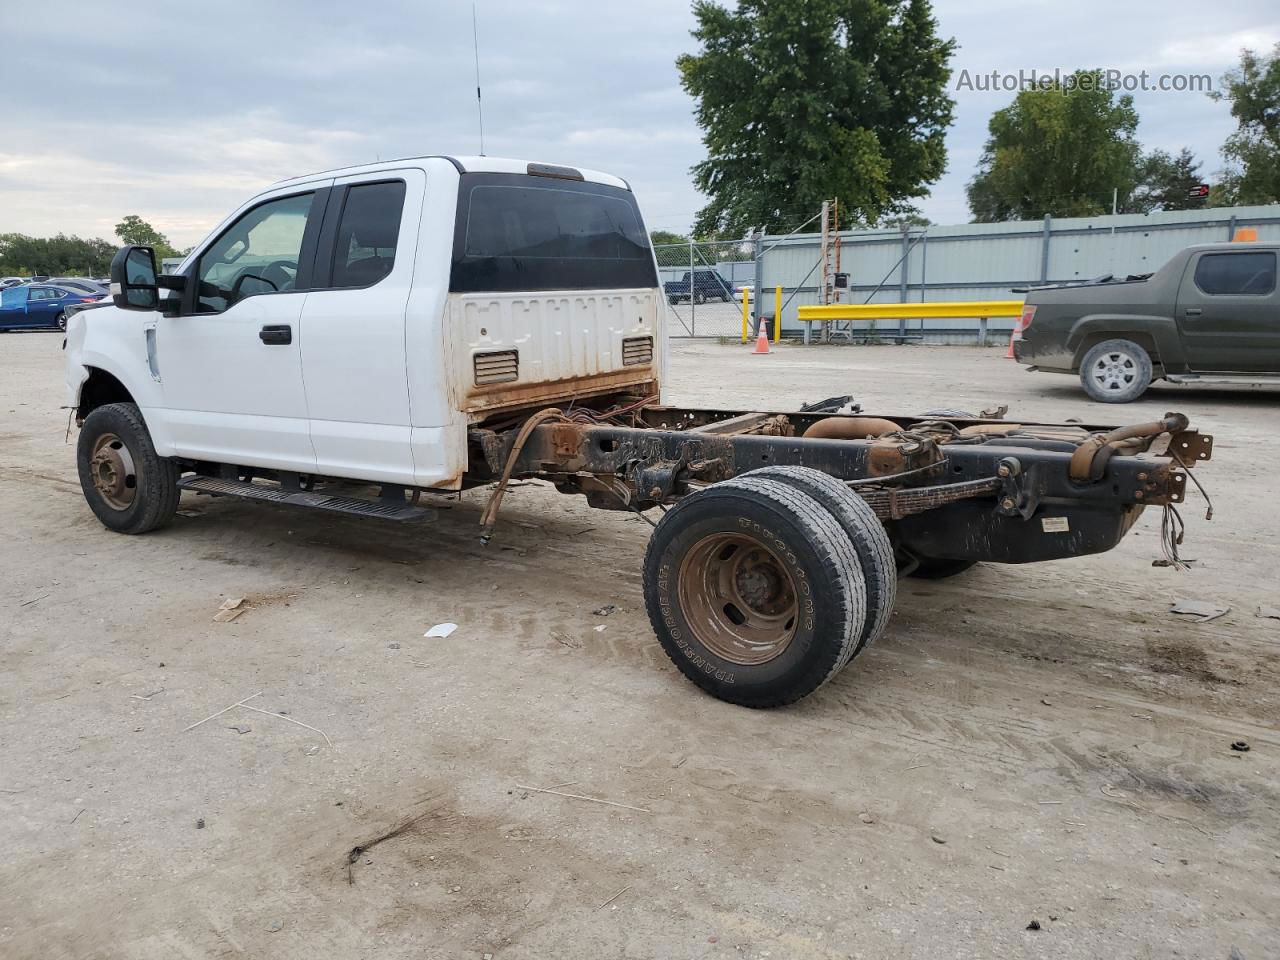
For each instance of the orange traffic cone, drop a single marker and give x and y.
(762, 342)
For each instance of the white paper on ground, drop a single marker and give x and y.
(441, 630)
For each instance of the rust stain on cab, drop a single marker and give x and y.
(485, 399)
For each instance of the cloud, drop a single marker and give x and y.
(627, 137)
(1214, 51)
(143, 115)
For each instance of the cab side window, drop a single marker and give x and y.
(365, 248)
(1236, 274)
(257, 254)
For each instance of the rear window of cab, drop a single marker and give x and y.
(523, 233)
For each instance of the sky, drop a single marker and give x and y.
(178, 117)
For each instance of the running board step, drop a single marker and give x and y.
(215, 486)
(1257, 379)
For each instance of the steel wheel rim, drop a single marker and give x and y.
(739, 599)
(114, 475)
(1115, 370)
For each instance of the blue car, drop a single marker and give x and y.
(35, 306)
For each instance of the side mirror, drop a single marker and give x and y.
(133, 279)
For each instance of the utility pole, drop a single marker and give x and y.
(825, 278)
(835, 220)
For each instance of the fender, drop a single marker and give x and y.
(116, 342)
(1158, 331)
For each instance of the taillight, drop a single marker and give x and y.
(1028, 314)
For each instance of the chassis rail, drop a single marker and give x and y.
(941, 494)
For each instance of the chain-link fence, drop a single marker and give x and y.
(703, 283)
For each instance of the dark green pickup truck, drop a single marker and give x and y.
(1209, 315)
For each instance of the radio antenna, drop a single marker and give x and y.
(475, 40)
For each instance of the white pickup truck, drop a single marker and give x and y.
(350, 340)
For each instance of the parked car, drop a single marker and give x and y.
(37, 306)
(1209, 315)
(73, 308)
(707, 285)
(11, 281)
(82, 285)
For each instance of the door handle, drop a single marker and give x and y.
(1194, 311)
(276, 333)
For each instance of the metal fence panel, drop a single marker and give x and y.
(977, 261)
(985, 261)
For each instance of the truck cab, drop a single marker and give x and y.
(356, 323)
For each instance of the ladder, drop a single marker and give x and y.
(829, 293)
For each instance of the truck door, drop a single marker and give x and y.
(230, 365)
(353, 353)
(1228, 311)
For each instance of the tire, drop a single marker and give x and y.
(949, 412)
(61, 321)
(763, 539)
(699, 298)
(126, 484)
(1116, 371)
(866, 535)
(936, 568)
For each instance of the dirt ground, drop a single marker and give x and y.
(1039, 744)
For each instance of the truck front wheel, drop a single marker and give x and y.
(1116, 371)
(754, 591)
(128, 486)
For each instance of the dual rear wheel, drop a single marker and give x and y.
(763, 587)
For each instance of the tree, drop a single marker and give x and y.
(21, 255)
(1253, 151)
(802, 101)
(913, 219)
(133, 229)
(1059, 149)
(1165, 182)
(659, 237)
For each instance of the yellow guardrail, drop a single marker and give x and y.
(981, 309)
(910, 311)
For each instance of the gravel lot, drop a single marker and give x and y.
(1039, 744)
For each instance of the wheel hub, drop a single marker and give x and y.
(740, 599)
(1115, 371)
(114, 475)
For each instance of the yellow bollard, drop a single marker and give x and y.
(746, 312)
(777, 313)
